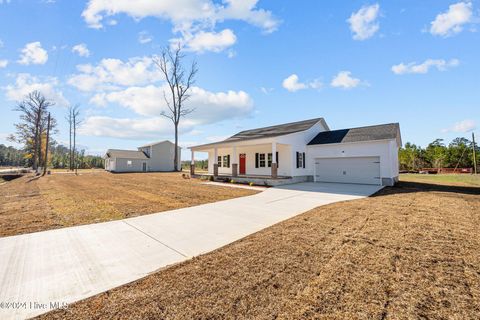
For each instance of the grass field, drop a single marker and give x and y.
(409, 252)
(451, 179)
(62, 200)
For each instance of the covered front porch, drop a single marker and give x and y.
(246, 160)
(255, 179)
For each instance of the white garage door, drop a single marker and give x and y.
(364, 170)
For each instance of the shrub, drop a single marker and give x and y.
(251, 184)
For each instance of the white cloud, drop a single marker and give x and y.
(209, 106)
(127, 128)
(3, 63)
(246, 10)
(81, 49)
(33, 53)
(363, 23)
(144, 37)
(462, 126)
(345, 80)
(182, 12)
(292, 84)
(452, 21)
(111, 73)
(315, 84)
(231, 53)
(149, 102)
(207, 41)
(266, 90)
(26, 83)
(424, 67)
(193, 19)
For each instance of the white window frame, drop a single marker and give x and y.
(260, 161)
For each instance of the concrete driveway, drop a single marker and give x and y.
(45, 270)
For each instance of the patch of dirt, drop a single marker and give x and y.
(60, 200)
(409, 252)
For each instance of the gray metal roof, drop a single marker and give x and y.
(370, 133)
(272, 131)
(126, 154)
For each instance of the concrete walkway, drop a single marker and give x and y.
(45, 270)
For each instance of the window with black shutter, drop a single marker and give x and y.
(219, 161)
(261, 160)
(226, 161)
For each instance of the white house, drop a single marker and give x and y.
(156, 156)
(307, 151)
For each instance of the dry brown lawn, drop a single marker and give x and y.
(62, 200)
(409, 252)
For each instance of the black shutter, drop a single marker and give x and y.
(256, 160)
(303, 157)
(276, 156)
(228, 159)
(298, 162)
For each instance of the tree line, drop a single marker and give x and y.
(58, 158)
(36, 126)
(34, 132)
(456, 154)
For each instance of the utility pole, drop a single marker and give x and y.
(46, 146)
(474, 154)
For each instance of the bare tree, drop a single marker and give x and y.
(31, 129)
(69, 118)
(179, 81)
(47, 145)
(76, 121)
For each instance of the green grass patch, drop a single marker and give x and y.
(453, 179)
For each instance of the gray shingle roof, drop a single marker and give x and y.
(370, 133)
(126, 154)
(270, 132)
(273, 131)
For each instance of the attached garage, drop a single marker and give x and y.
(362, 170)
(365, 155)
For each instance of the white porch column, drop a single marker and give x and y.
(215, 163)
(234, 162)
(192, 163)
(274, 160)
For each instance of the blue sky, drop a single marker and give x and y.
(261, 63)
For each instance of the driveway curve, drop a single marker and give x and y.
(46, 270)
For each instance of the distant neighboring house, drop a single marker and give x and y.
(156, 156)
(307, 151)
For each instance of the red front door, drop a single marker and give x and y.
(243, 159)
